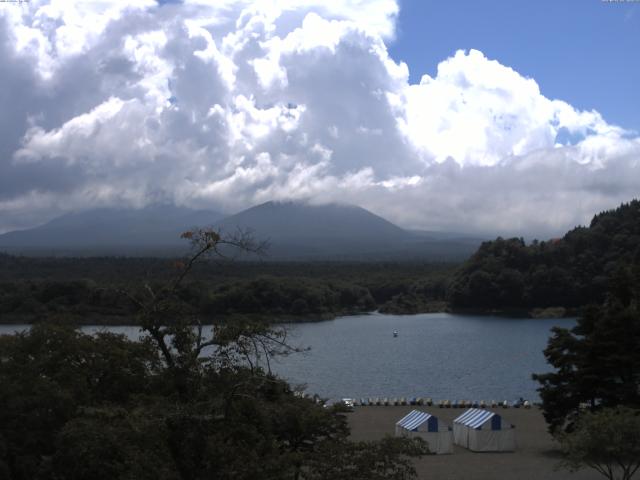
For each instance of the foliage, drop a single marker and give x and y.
(389, 458)
(607, 441)
(107, 443)
(597, 362)
(49, 373)
(189, 400)
(573, 271)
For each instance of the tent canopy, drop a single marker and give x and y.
(483, 431)
(438, 436)
(416, 419)
(477, 418)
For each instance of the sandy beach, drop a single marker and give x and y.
(535, 458)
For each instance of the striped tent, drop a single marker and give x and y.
(481, 430)
(426, 426)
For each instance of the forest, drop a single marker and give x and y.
(89, 290)
(573, 271)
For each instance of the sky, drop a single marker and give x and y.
(491, 117)
(584, 52)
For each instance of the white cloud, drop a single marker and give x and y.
(479, 112)
(230, 103)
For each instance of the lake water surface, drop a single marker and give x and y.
(437, 355)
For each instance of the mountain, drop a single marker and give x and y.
(301, 222)
(294, 231)
(297, 230)
(155, 229)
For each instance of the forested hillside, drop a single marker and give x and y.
(572, 271)
(93, 290)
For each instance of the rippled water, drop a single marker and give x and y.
(434, 355)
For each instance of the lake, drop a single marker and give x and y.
(437, 355)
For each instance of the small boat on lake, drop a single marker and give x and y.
(395, 333)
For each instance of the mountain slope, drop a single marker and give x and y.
(303, 221)
(110, 230)
(297, 230)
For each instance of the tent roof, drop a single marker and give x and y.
(475, 417)
(414, 419)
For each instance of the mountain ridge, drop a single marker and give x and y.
(106, 229)
(294, 230)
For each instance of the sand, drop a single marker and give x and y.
(536, 455)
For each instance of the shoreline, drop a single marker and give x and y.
(126, 321)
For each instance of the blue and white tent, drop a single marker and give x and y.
(483, 431)
(426, 426)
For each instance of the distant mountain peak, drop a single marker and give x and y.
(296, 219)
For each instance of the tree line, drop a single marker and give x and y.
(86, 290)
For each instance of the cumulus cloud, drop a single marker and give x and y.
(479, 112)
(230, 103)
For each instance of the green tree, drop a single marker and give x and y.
(607, 441)
(112, 443)
(597, 362)
(48, 373)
